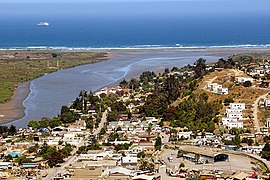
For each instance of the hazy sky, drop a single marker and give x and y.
(133, 7)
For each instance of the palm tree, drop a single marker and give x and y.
(149, 129)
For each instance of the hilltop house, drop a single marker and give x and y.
(241, 106)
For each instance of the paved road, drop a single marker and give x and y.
(255, 112)
(102, 122)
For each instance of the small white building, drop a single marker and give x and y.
(214, 87)
(231, 125)
(267, 103)
(237, 115)
(241, 106)
(252, 149)
(184, 135)
(234, 110)
(243, 79)
(226, 120)
(129, 160)
(223, 91)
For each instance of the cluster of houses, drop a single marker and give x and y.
(233, 116)
(112, 90)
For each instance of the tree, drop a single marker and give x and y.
(199, 68)
(266, 151)
(158, 143)
(102, 131)
(250, 141)
(181, 165)
(141, 154)
(227, 101)
(247, 84)
(197, 157)
(55, 158)
(12, 130)
(149, 129)
(119, 128)
(34, 124)
(22, 159)
(129, 115)
(145, 165)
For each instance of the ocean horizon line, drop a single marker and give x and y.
(135, 47)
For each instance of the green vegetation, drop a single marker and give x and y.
(145, 165)
(266, 152)
(21, 66)
(4, 130)
(158, 143)
(53, 155)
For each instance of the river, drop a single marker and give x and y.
(48, 93)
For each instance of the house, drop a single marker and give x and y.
(184, 135)
(231, 111)
(147, 177)
(223, 91)
(268, 123)
(5, 165)
(231, 125)
(243, 79)
(267, 103)
(252, 149)
(241, 106)
(226, 120)
(129, 160)
(213, 87)
(120, 173)
(149, 150)
(235, 115)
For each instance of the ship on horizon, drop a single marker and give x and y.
(43, 23)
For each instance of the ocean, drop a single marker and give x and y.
(135, 25)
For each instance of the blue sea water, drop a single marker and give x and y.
(136, 25)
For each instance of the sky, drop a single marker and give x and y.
(134, 7)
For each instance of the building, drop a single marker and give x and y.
(129, 161)
(231, 125)
(243, 79)
(223, 91)
(241, 106)
(184, 135)
(235, 115)
(267, 103)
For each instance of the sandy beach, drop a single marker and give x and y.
(14, 109)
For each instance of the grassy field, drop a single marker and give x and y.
(21, 66)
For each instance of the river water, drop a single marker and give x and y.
(50, 92)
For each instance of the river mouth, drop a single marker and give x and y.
(48, 93)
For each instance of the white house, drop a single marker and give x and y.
(223, 91)
(185, 135)
(267, 103)
(233, 110)
(235, 125)
(237, 115)
(243, 79)
(252, 149)
(129, 160)
(241, 106)
(214, 87)
(226, 120)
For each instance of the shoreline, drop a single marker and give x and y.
(14, 108)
